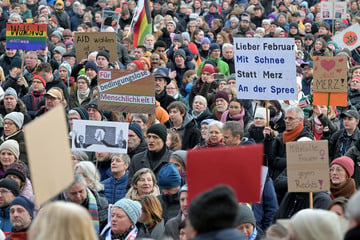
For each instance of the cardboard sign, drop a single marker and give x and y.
(333, 10)
(349, 37)
(265, 68)
(333, 99)
(87, 42)
(26, 36)
(126, 91)
(330, 74)
(238, 167)
(308, 166)
(100, 136)
(48, 150)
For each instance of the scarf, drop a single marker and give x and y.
(276, 117)
(37, 96)
(93, 210)
(291, 135)
(343, 190)
(237, 117)
(130, 234)
(253, 235)
(133, 194)
(209, 144)
(82, 95)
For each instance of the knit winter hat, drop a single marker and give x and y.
(57, 34)
(179, 38)
(208, 69)
(146, 60)
(180, 156)
(169, 177)
(93, 104)
(158, 129)
(15, 62)
(316, 224)
(41, 78)
(245, 215)
(260, 113)
(180, 52)
(11, 185)
(12, 92)
(16, 117)
(104, 54)
(213, 47)
(346, 162)
(25, 203)
(12, 146)
(137, 130)
(223, 204)
(205, 40)
(67, 33)
(222, 94)
(186, 36)
(92, 65)
(84, 115)
(130, 207)
(18, 169)
(85, 78)
(67, 66)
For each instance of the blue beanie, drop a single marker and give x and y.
(213, 46)
(82, 112)
(137, 129)
(25, 203)
(92, 65)
(130, 207)
(169, 176)
(205, 40)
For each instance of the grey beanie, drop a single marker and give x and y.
(17, 118)
(180, 156)
(60, 50)
(185, 36)
(67, 66)
(245, 215)
(130, 207)
(181, 53)
(12, 92)
(12, 146)
(179, 38)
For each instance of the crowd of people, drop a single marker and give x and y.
(190, 54)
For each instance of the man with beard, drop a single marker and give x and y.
(61, 16)
(244, 26)
(221, 103)
(21, 216)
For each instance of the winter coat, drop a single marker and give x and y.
(336, 142)
(20, 107)
(180, 71)
(354, 154)
(74, 101)
(164, 99)
(57, 82)
(63, 19)
(142, 147)
(115, 188)
(206, 114)
(223, 234)
(5, 224)
(189, 55)
(223, 66)
(353, 233)
(157, 231)
(354, 97)
(104, 169)
(170, 205)
(12, 82)
(172, 226)
(5, 63)
(205, 89)
(28, 100)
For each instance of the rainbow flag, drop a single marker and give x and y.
(26, 36)
(142, 25)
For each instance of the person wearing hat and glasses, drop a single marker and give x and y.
(162, 79)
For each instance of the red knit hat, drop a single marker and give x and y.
(208, 69)
(139, 65)
(193, 48)
(41, 79)
(346, 162)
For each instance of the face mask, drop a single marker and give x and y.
(272, 112)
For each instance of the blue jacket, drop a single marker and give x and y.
(115, 188)
(5, 223)
(224, 234)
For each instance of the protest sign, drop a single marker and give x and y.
(26, 36)
(126, 91)
(87, 42)
(110, 19)
(100, 136)
(48, 150)
(349, 37)
(331, 99)
(308, 166)
(265, 68)
(333, 10)
(239, 167)
(330, 74)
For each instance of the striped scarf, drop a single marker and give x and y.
(93, 210)
(37, 96)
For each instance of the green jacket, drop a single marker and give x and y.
(223, 66)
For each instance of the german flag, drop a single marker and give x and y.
(142, 25)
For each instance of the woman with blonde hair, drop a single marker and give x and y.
(152, 216)
(143, 183)
(62, 221)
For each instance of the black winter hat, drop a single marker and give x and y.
(104, 53)
(17, 169)
(160, 130)
(11, 185)
(213, 210)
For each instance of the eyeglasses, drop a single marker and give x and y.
(4, 191)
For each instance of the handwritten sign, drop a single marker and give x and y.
(88, 42)
(127, 91)
(26, 36)
(219, 166)
(308, 166)
(331, 10)
(349, 37)
(265, 68)
(330, 74)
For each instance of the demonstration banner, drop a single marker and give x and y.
(207, 168)
(333, 10)
(349, 37)
(126, 91)
(308, 166)
(265, 68)
(88, 42)
(99, 136)
(26, 36)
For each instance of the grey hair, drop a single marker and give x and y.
(227, 45)
(32, 53)
(219, 124)
(78, 178)
(203, 99)
(144, 117)
(92, 173)
(299, 112)
(124, 157)
(353, 207)
(81, 156)
(15, 15)
(92, 54)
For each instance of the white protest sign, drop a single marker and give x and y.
(331, 10)
(265, 68)
(349, 37)
(100, 136)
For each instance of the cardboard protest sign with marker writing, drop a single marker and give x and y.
(308, 166)
(126, 91)
(26, 36)
(49, 154)
(349, 37)
(239, 167)
(88, 42)
(265, 68)
(330, 74)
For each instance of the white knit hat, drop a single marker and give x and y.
(12, 146)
